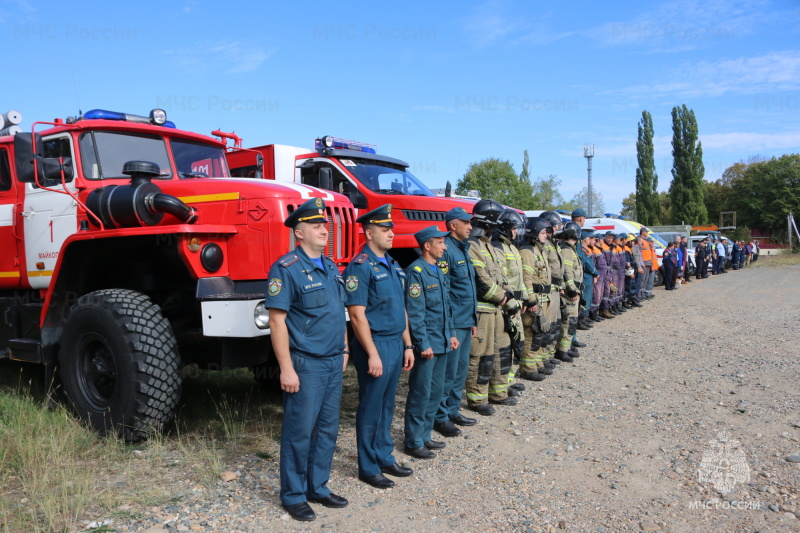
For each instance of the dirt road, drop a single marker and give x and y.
(701, 381)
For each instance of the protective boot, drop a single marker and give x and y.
(605, 313)
(564, 357)
(621, 308)
(573, 352)
(531, 376)
(635, 302)
(582, 325)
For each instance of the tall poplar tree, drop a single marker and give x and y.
(686, 189)
(647, 206)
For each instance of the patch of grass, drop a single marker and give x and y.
(784, 259)
(55, 472)
(48, 482)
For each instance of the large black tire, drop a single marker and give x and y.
(658, 279)
(268, 373)
(119, 363)
(692, 269)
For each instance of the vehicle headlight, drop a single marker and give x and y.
(261, 316)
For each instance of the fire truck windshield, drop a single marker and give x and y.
(104, 152)
(386, 178)
(195, 159)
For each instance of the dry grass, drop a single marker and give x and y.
(56, 474)
(784, 259)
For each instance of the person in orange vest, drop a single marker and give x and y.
(653, 267)
(647, 264)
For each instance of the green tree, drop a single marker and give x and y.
(581, 200)
(646, 204)
(766, 192)
(686, 189)
(497, 179)
(525, 174)
(629, 207)
(664, 205)
(546, 194)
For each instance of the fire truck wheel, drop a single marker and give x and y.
(268, 373)
(658, 280)
(119, 363)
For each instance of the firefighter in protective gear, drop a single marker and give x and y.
(535, 364)
(573, 285)
(552, 252)
(490, 353)
(509, 226)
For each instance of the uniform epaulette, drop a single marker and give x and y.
(361, 258)
(418, 268)
(288, 260)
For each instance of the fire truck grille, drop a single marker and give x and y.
(341, 233)
(434, 216)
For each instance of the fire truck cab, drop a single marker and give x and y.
(358, 172)
(127, 250)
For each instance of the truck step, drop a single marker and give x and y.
(26, 350)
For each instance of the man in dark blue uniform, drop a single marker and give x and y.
(433, 336)
(460, 276)
(589, 271)
(375, 291)
(305, 298)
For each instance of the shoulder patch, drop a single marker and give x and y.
(274, 286)
(360, 258)
(288, 260)
(414, 290)
(444, 266)
(418, 268)
(351, 284)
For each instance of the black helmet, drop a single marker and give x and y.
(535, 226)
(571, 231)
(486, 213)
(508, 220)
(552, 217)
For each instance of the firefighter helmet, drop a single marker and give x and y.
(571, 231)
(552, 217)
(535, 227)
(486, 213)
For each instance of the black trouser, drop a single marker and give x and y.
(669, 277)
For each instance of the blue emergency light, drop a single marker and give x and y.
(327, 142)
(157, 117)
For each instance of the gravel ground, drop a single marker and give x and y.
(613, 442)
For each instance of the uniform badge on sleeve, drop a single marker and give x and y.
(274, 287)
(351, 284)
(414, 290)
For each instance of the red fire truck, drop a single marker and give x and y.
(355, 170)
(127, 250)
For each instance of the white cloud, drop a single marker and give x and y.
(488, 23)
(233, 57)
(750, 142)
(769, 73)
(683, 25)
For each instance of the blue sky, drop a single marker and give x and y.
(438, 84)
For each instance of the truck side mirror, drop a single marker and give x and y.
(358, 199)
(448, 190)
(25, 149)
(50, 169)
(325, 179)
(259, 166)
